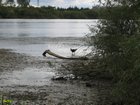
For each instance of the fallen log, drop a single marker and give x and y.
(62, 57)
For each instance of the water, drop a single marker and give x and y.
(44, 28)
(33, 36)
(28, 76)
(32, 78)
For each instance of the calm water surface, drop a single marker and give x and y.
(44, 28)
(33, 36)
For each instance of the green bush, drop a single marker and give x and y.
(117, 44)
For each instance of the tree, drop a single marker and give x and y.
(23, 3)
(117, 43)
(0, 2)
(10, 2)
(37, 2)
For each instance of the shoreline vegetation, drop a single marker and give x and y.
(49, 12)
(117, 44)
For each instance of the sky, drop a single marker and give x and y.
(66, 3)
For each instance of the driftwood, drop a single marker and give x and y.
(62, 57)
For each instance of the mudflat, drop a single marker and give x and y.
(26, 80)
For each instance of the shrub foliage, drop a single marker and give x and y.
(117, 44)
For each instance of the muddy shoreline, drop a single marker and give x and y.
(49, 92)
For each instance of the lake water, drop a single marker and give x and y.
(32, 78)
(44, 27)
(33, 36)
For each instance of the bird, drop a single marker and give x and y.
(73, 51)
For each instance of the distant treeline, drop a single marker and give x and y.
(49, 12)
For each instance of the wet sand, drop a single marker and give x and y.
(26, 80)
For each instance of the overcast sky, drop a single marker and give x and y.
(66, 3)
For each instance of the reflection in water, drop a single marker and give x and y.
(28, 76)
(34, 36)
(44, 28)
(36, 46)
